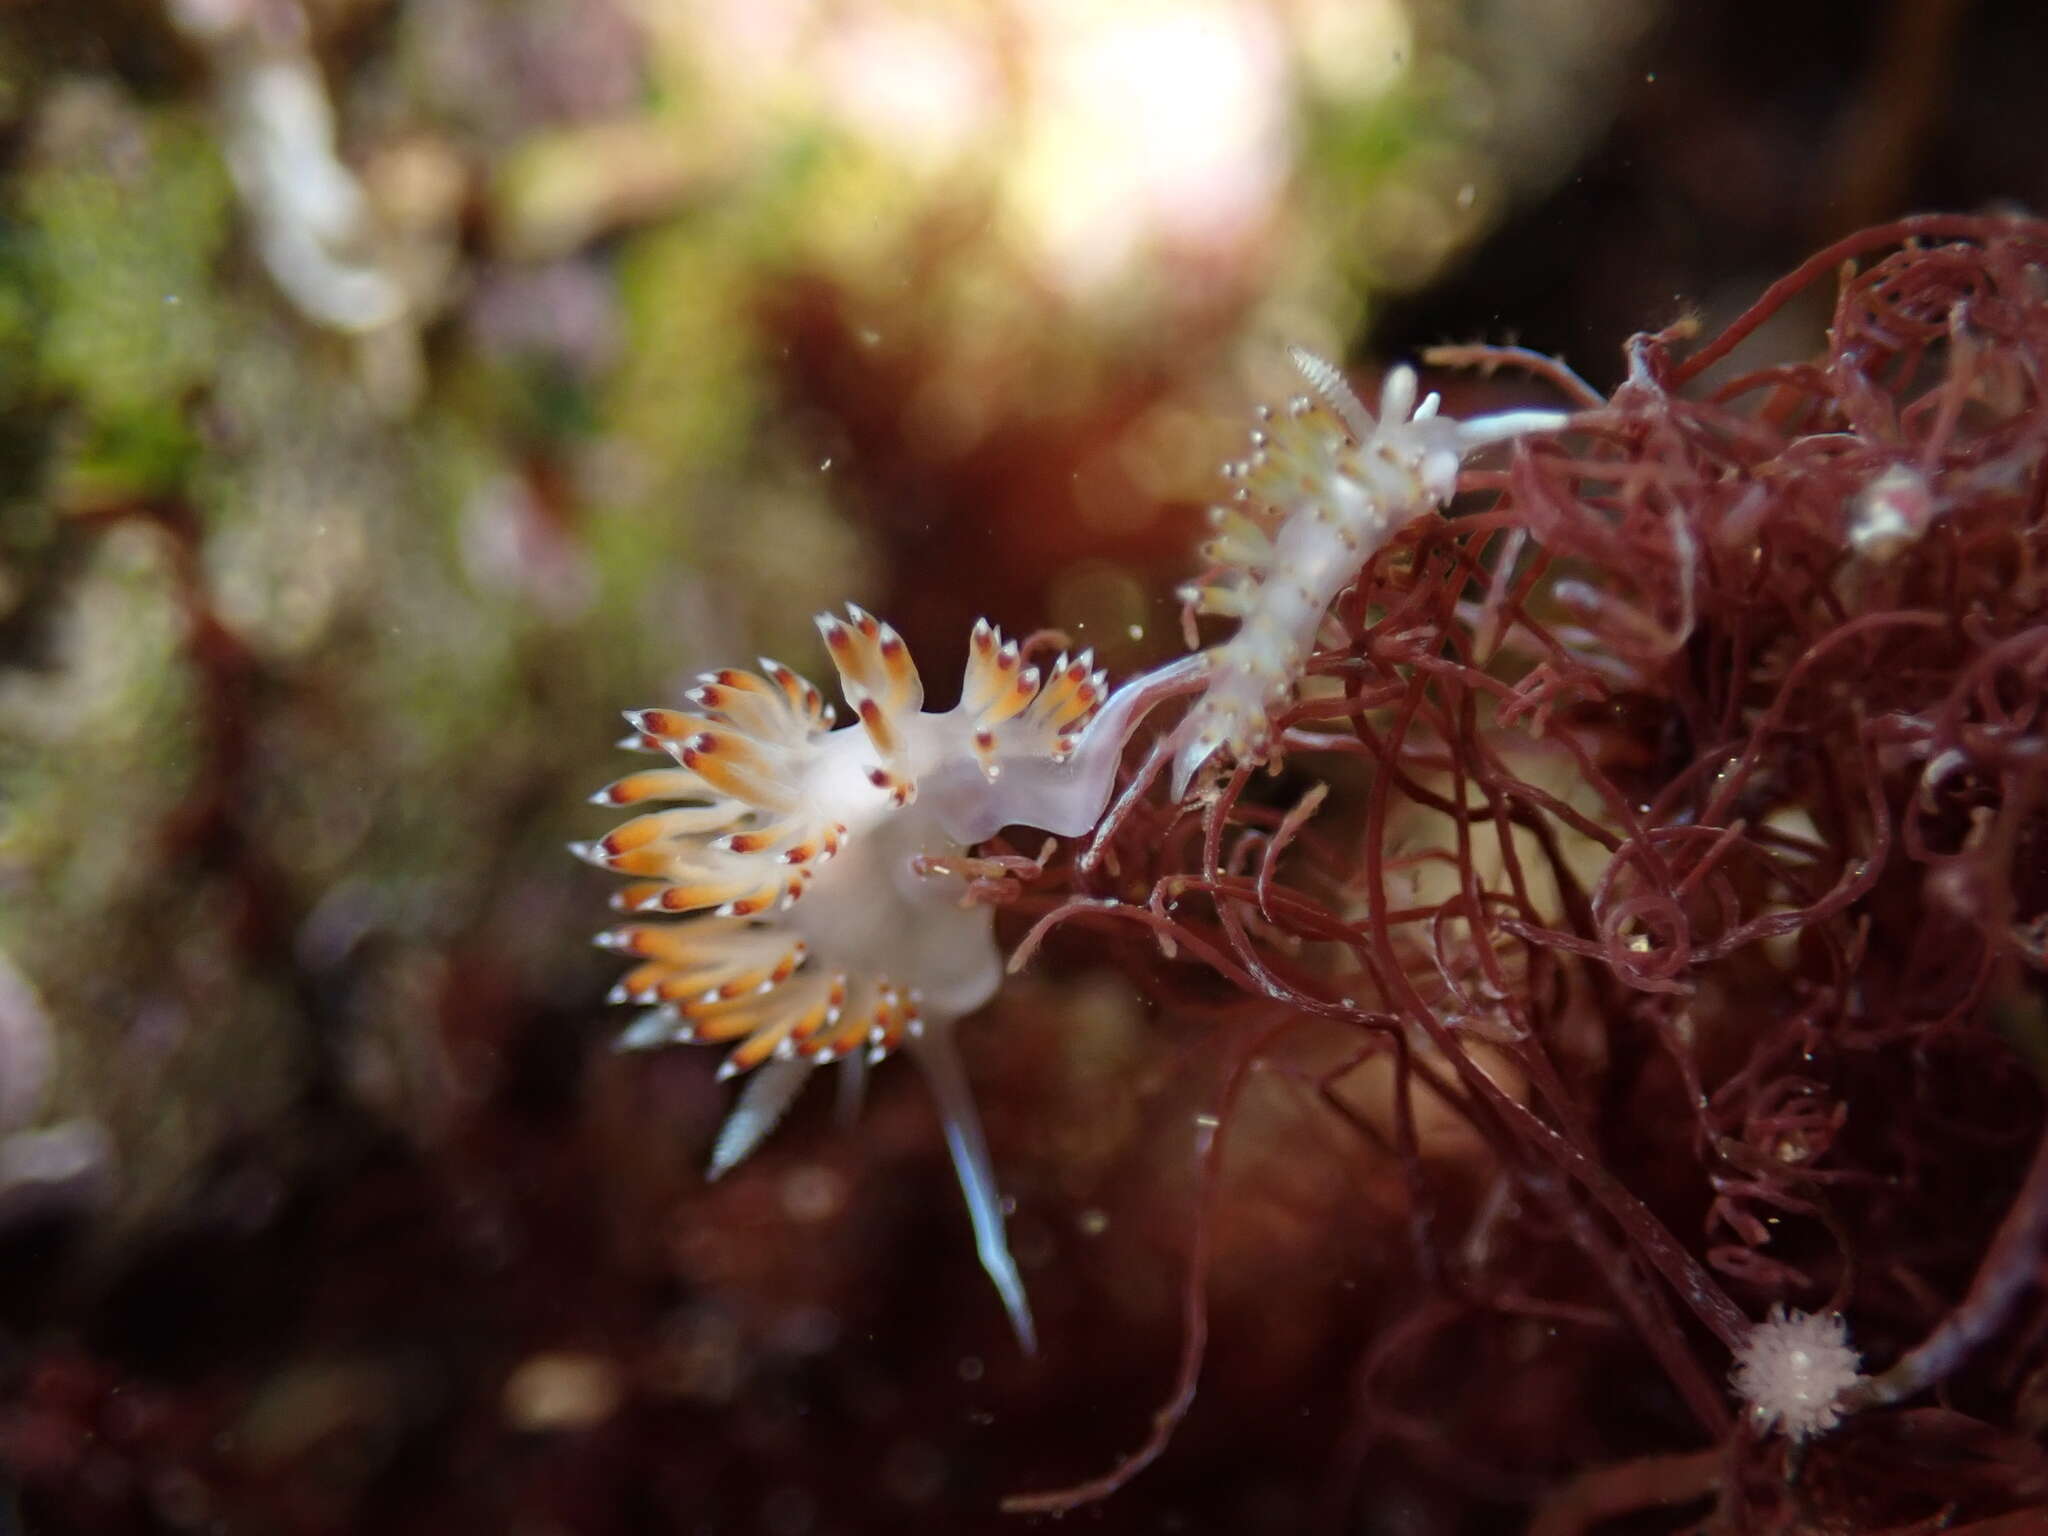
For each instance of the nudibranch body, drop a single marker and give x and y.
(1324, 488)
(823, 875)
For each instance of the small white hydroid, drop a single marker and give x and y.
(1793, 1369)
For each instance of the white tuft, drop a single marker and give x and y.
(1793, 1369)
(1890, 513)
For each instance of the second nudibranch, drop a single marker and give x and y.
(1324, 489)
(822, 876)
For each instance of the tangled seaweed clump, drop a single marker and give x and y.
(1697, 874)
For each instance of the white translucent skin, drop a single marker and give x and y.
(869, 909)
(1065, 798)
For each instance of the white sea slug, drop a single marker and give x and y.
(824, 875)
(1324, 489)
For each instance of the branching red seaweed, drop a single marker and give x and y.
(1697, 870)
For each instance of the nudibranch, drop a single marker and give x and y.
(1324, 489)
(823, 876)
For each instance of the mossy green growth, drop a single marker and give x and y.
(108, 292)
(686, 395)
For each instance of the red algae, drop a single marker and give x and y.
(1697, 864)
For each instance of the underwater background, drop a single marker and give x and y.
(394, 391)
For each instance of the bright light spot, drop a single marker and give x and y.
(1156, 123)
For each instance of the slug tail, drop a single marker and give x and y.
(940, 1059)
